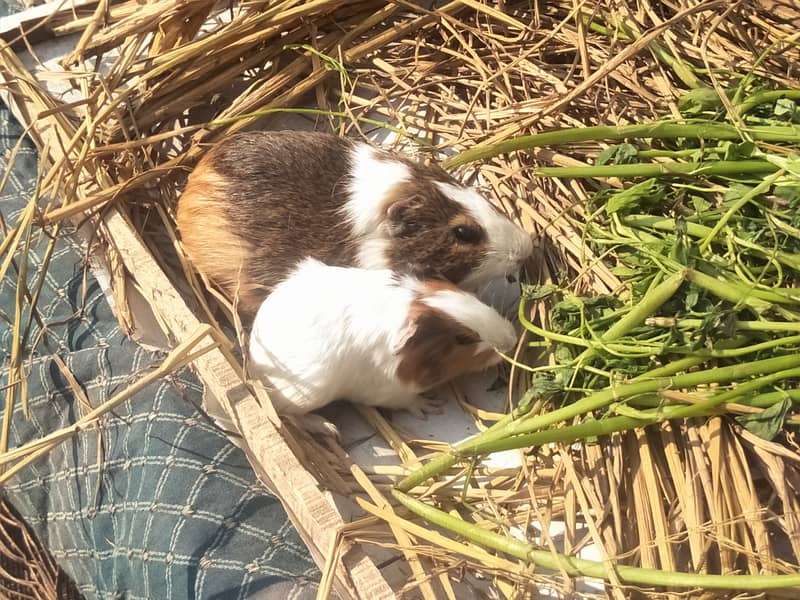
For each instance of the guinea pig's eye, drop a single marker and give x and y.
(465, 340)
(466, 234)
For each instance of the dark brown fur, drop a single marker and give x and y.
(439, 349)
(421, 220)
(261, 207)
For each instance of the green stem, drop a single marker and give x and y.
(655, 130)
(574, 566)
(650, 153)
(720, 167)
(738, 325)
(696, 230)
(770, 398)
(616, 393)
(766, 97)
(653, 300)
(597, 427)
(742, 389)
(593, 402)
(761, 188)
(736, 294)
(744, 350)
(589, 428)
(676, 366)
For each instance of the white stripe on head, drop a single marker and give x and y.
(494, 330)
(372, 177)
(508, 245)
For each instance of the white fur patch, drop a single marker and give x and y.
(508, 244)
(371, 179)
(493, 329)
(327, 333)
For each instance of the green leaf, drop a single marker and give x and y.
(546, 385)
(679, 250)
(623, 272)
(735, 192)
(537, 292)
(785, 108)
(620, 154)
(692, 296)
(700, 204)
(738, 151)
(647, 192)
(790, 193)
(768, 423)
(563, 355)
(699, 100)
(789, 163)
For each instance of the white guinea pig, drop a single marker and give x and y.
(260, 202)
(369, 336)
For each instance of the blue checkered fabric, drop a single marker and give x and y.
(157, 503)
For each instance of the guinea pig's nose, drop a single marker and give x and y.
(518, 258)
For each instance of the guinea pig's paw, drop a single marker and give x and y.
(426, 404)
(319, 425)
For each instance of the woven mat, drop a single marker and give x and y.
(158, 504)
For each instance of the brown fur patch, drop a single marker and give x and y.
(260, 202)
(440, 285)
(208, 239)
(421, 222)
(438, 349)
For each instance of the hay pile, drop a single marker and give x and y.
(695, 495)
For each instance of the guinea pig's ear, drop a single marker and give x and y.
(401, 217)
(426, 345)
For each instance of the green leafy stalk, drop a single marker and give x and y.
(744, 350)
(745, 388)
(783, 326)
(671, 368)
(696, 230)
(650, 303)
(655, 130)
(620, 392)
(761, 188)
(720, 167)
(737, 294)
(591, 428)
(574, 566)
(597, 400)
(770, 398)
(766, 97)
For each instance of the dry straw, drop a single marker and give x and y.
(695, 494)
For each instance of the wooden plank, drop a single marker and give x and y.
(314, 516)
(34, 23)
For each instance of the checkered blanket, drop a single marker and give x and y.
(157, 503)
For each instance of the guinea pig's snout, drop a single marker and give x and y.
(522, 250)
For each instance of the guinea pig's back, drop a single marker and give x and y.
(326, 333)
(257, 201)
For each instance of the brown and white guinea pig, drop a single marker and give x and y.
(259, 202)
(369, 336)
